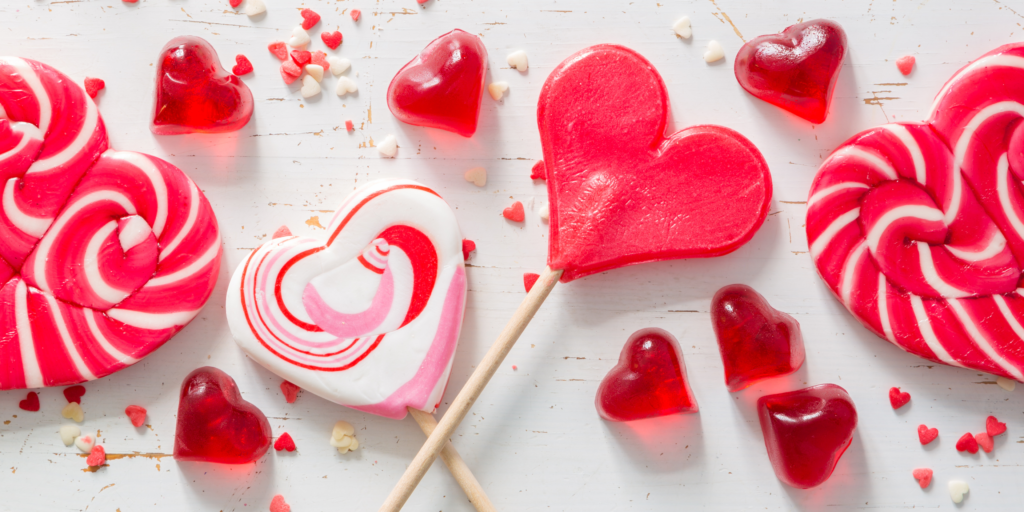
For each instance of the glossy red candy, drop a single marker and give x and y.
(806, 432)
(756, 340)
(215, 424)
(194, 94)
(443, 86)
(621, 190)
(648, 381)
(795, 70)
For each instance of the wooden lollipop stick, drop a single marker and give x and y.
(469, 393)
(456, 465)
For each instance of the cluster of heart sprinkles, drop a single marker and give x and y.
(104, 255)
(918, 228)
(311, 66)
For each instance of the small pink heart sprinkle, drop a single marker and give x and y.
(530, 279)
(278, 505)
(137, 415)
(309, 18)
(96, 457)
(279, 49)
(282, 232)
(242, 66)
(515, 213)
(93, 86)
(291, 391)
(926, 434)
(539, 171)
(355, 14)
(349, 125)
(332, 39)
(906, 64)
(984, 441)
(923, 477)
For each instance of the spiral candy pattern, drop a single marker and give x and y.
(104, 255)
(918, 228)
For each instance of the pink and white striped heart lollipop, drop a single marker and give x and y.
(369, 319)
(104, 255)
(918, 228)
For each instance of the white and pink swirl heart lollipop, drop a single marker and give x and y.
(918, 228)
(104, 255)
(369, 319)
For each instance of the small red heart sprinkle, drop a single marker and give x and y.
(530, 279)
(967, 442)
(349, 126)
(137, 414)
(282, 232)
(468, 246)
(235, 3)
(906, 64)
(93, 86)
(291, 391)
(309, 18)
(421, 2)
(242, 65)
(539, 171)
(984, 441)
(74, 394)
(332, 39)
(286, 73)
(30, 403)
(279, 49)
(515, 213)
(96, 457)
(994, 427)
(926, 434)
(285, 442)
(278, 505)
(355, 14)
(898, 398)
(301, 57)
(130, 1)
(923, 476)
(514, 367)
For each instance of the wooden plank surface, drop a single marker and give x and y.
(534, 439)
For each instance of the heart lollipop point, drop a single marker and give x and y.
(649, 380)
(215, 424)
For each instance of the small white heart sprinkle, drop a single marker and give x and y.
(299, 39)
(518, 60)
(714, 52)
(254, 7)
(497, 89)
(343, 436)
(310, 87)
(957, 489)
(1006, 384)
(339, 65)
(389, 146)
(476, 176)
(315, 71)
(682, 27)
(345, 85)
(68, 433)
(85, 443)
(545, 213)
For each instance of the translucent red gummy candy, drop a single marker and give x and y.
(622, 191)
(915, 226)
(795, 70)
(194, 94)
(215, 424)
(443, 86)
(756, 341)
(648, 381)
(806, 432)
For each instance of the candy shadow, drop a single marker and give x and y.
(222, 150)
(215, 485)
(664, 444)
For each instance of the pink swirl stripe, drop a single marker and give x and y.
(104, 255)
(918, 228)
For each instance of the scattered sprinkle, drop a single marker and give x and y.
(285, 442)
(927, 435)
(355, 13)
(74, 394)
(476, 176)
(301, 57)
(985, 442)
(539, 171)
(290, 72)
(291, 391)
(957, 489)
(283, 232)
(242, 65)
(279, 49)
(30, 403)
(332, 39)
(421, 2)
(545, 213)
(898, 398)
(96, 457)
(682, 27)
(906, 64)
(320, 59)
(714, 52)
(343, 437)
(278, 505)
(235, 3)
(530, 279)
(518, 60)
(514, 367)
(497, 89)
(309, 18)
(338, 65)
(515, 213)
(299, 38)
(387, 147)
(93, 86)
(345, 86)
(137, 414)
(255, 7)
(468, 246)
(968, 443)
(68, 433)
(349, 125)
(315, 71)
(994, 427)
(923, 477)
(1006, 384)
(73, 411)
(85, 443)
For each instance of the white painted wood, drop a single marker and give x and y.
(534, 439)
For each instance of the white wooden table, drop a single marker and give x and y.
(534, 439)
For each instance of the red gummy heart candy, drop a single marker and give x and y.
(515, 213)
(309, 18)
(285, 442)
(443, 86)
(994, 427)
(621, 191)
(242, 65)
(194, 94)
(927, 435)
(137, 415)
(30, 403)
(806, 432)
(898, 398)
(985, 442)
(923, 477)
(331, 39)
(215, 424)
(756, 340)
(795, 70)
(291, 391)
(968, 443)
(648, 381)
(74, 394)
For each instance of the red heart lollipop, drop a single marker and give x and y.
(795, 70)
(194, 94)
(621, 191)
(806, 432)
(215, 424)
(443, 86)
(649, 381)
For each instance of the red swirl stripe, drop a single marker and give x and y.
(104, 255)
(918, 228)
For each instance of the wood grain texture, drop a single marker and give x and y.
(533, 439)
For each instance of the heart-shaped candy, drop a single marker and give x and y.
(443, 86)
(898, 398)
(332, 39)
(194, 94)
(30, 403)
(916, 227)
(369, 319)
(967, 443)
(927, 435)
(993, 426)
(622, 192)
(104, 255)
(74, 394)
(957, 489)
(923, 477)
(215, 424)
(795, 70)
(806, 432)
(649, 380)
(985, 441)
(756, 340)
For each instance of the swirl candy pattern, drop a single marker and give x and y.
(918, 228)
(369, 319)
(104, 255)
